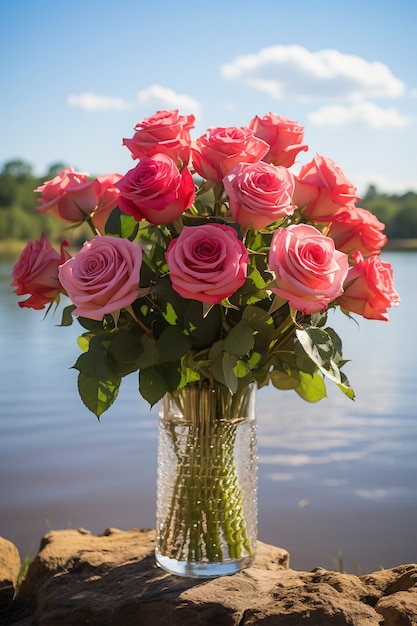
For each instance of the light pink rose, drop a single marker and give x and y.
(216, 153)
(323, 189)
(165, 132)
(309, 271)
(70, 196)
(36, 273)
(259, 194)
(369, 288)
(357, 229)
(156, 190)
(103, 277)
(207, 263)
(283, 136)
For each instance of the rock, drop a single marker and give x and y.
(10, 565)
(111, 580)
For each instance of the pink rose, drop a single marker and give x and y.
(156, 190)
(164, 132)
(309, 271)
(369, 288)
(216, 153)
(323, 189)
(207, 263)
(70, 195)
(259, 194)
(103, 277)
(357, 229)
(283, 136)
(36, 273)
(107, 199)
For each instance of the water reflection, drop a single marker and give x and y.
(337, 475)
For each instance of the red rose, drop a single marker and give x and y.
(156, 190)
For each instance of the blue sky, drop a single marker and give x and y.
(76, 77)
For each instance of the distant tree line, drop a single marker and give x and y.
(18, 220)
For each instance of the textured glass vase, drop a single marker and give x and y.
(207, 481)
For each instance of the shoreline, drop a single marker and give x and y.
(11, 249)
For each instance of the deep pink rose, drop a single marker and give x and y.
(323, 189)
(36, 273)
(357, 229)
(283, 136)
(216, 153)
(103, 277)
(369, 288)
(207, 263)
(164, 132)
(259, 194)
(70, 195)
(309, 271)
(156, 190)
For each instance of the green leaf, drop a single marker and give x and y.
(203, 330)
(90, 324)
(121, 225)
(346, 388)
(153, 385)
(150, 354)
(67, 317)
(259, 321)
(242, 369)
(84, 341)
(240, 340)
(173, 344)
(93, 364)
(97, 395)
(311, 388)
(222, 369)
(252, 290)
(126, 347)
(216, 350)
(283, 380)
(319, 347)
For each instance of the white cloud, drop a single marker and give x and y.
(166, 98)
(294, 71)
(90, 101)
(363, 113)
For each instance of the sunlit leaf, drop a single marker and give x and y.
(311, 388)
(97, 395)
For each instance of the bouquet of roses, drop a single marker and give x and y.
(210, 262)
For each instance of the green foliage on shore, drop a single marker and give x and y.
(18, 202)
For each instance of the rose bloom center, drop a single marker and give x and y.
(313, 254)
(207, 252)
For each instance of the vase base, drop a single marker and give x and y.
(202, 569)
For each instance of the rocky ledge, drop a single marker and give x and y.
(111, 580)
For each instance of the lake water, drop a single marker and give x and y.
(337, 477)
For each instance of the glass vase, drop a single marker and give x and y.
(207, 481)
